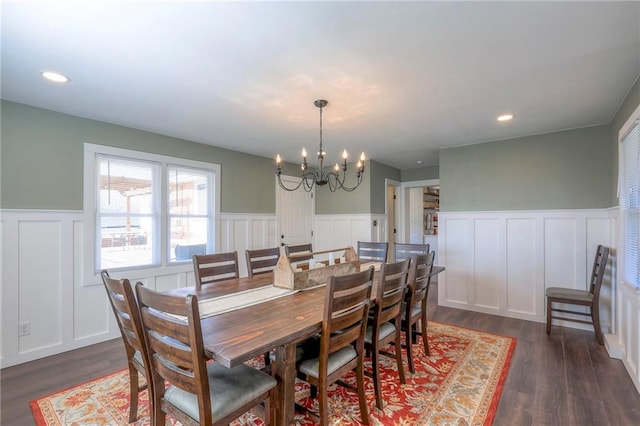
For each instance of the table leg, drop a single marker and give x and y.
(285, 372)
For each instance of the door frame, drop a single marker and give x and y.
(404, 201)
(391, 237)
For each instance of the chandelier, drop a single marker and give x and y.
(320, 176)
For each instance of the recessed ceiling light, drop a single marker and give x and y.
(54, 76)
(506, 117)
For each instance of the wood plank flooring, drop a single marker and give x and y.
(562, 379)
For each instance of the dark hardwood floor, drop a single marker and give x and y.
(562, 379)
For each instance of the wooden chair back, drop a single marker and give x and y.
(390, 294)
(176, 349)
(125, 309)
(262, 261)
(301, 248)
(419, 279)
(211, 268)
(344, 325)
(406, 250)
(373, 252)
(597, 273)
(391, 289)
(199, 392)
(416, 304)
(346, 310)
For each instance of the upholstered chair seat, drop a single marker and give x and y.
(386, 329)
(311, 367)
(229, 389)
(569, 293)
(415, 312)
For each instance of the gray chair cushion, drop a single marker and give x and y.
(230, 388)
(569, 293)
(386, 329)
(311, 367)
(417, 310)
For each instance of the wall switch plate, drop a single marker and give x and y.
(24, 329)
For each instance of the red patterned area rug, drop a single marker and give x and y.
(460, 383)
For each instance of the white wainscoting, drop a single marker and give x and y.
(44, 282)
(343, 230)
(496, 262)
(501, 262)
(626, 342)
(247, 231)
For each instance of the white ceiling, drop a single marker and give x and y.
(403, 79)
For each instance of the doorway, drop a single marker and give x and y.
(421, 205)
(393, 215)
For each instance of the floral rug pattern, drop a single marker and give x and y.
(460, 383)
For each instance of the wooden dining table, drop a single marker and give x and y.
(239, 335)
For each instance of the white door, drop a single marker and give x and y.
(295, 213)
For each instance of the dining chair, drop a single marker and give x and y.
(262, 261)
(211, 268)
(372, 252)
(301, 248)
(416, 304)
(196, 392)
(384, 323)
(405, 250)
(125, 309)
(341, 347)
(589, 298)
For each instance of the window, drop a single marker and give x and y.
(629, 192)
(127, 216)
(189, 212)
(148, 211)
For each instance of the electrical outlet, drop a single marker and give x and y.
(25, 329)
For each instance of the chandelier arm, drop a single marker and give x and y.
(303, 179)
(333, 182)
(283, 186)
(309, 181)
(352, 188)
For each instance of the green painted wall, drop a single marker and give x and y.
(42, 161)
(422, 173)
(341, 202)
(563, 170)
(626, 109)
(369, 197)
(379, 173)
